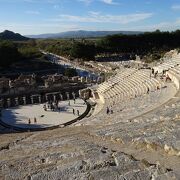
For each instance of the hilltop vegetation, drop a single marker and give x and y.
(149, 43)
(82, 49)
(8, 53)
(13, 52)
(9, 35)
(24, 55)
(142, 43)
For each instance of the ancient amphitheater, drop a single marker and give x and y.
(138, 139)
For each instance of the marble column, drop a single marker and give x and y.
(32, 100)
(24, 100)
(74, 95)
(82, 79)
(88, 79)
(67, 94)
(9, 102)
(16, 101)
(61, 96)
(54, 97)
(39, 99)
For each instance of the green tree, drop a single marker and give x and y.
(8, 53)
(83, 50)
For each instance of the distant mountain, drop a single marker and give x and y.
(82, 34)
(9, 35)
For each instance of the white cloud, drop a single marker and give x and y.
(36, 1)
(175, 7)
(163, 26)
(38, 28)
(33, 12)
(94, 13)
(42, 28)
(87, 2)
(96, 17)
(109, 2)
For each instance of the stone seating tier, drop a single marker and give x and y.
(137, 83)
(168, 64)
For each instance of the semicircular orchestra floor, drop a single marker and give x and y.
(39, 118)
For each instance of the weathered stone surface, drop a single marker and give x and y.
(140, 140)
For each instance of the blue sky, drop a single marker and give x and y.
(53, 16)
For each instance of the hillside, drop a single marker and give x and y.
(9, 35)
(82, 34)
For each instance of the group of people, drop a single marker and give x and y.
(55, 105)
(76, 111)
(35, 121)
(155, 73)
(52, 105)
(109, 110)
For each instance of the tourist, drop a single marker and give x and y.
(69, 103)
(147, 90)
(155, 75)
(44, 107)
(78, 112)
(48, 105)
(73, 111)
(167, 78)
(107, 110)
(54, 106)
(152, 71)
(74, 100)
(35, 120)
(29, 121)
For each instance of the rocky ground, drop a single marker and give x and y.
(76, 153)
(144, 147)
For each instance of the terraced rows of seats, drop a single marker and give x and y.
(140, 140)
(168, 63)
(152, 118)
(129, 83)
(131, 93)
(74, 153)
